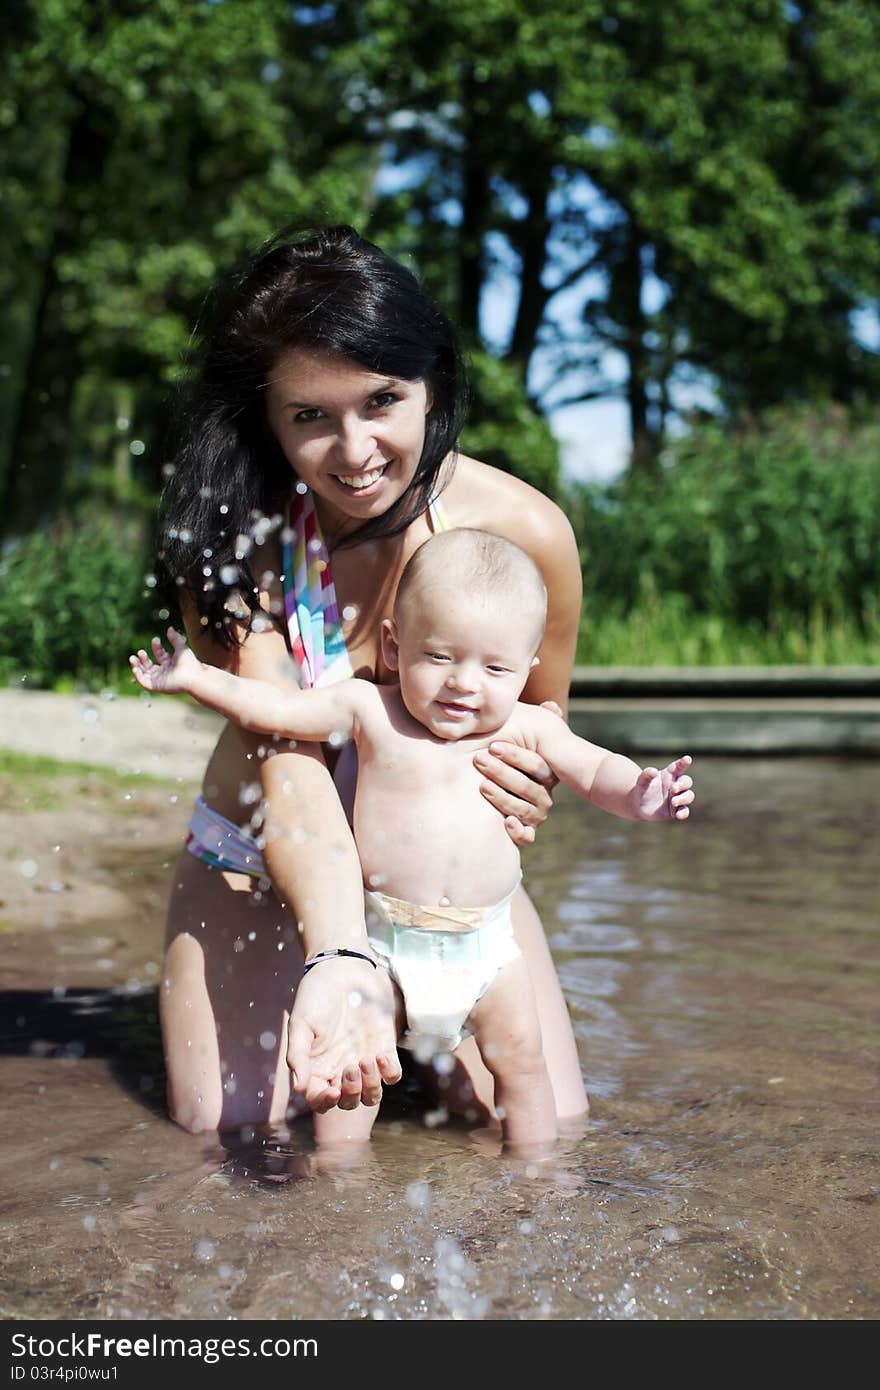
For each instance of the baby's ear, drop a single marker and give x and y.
(390, 648)
(536, 661)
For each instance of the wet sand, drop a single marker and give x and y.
(723, 979)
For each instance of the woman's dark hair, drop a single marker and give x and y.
(330, 291)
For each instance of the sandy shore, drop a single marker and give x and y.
(162, 738)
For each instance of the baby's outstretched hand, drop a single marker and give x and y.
(169, 673)
(664, 794)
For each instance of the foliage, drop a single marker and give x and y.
(503, 430)
(769, 529)
(148, 148)
(689, 187)
(73, 602)
(665, 630)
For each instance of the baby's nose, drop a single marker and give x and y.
(463, 678)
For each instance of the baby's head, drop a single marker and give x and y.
(468, 621)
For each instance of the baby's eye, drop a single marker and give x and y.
(437, 656)
(499, 670)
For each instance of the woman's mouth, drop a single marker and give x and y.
(361, 483)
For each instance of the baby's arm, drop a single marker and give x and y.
(610, 781)
(311, 715)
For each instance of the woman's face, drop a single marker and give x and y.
(353, 436)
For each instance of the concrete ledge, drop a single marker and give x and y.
(729, 725)
(768, 682)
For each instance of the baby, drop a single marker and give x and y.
(439, 868)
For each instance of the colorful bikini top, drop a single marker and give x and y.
(314, 623)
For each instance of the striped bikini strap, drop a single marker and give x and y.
(313, 623)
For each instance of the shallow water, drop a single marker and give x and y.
(723, 979)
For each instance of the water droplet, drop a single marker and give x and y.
(418, 1196)
(267, 1041)
(90, 1221)
(302, 489)
(205, 1250)
(238, 945)
(350, 612)
(28, 868)
(229, 574)
(397, 1281)
(252, 936)
(91, 715)
(137, 447)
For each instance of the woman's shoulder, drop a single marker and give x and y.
(484, 497)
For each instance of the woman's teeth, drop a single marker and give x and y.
(361, 480)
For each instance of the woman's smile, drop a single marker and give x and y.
(364, 482)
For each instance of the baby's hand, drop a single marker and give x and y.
(664, 795)
(171, 672)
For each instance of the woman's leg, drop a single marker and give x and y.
(232, 962)
(469, 1090)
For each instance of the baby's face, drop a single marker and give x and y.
(462, 664)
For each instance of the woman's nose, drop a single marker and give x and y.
(355, 445)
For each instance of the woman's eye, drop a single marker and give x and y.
(307, 417)
(385, 398)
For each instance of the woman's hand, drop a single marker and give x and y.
(342, 1035)
(518, 786)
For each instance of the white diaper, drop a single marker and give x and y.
(443, 959)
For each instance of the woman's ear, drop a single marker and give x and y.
(390, 645)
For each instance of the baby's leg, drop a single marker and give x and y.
(508, 1034)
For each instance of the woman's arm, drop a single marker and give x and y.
(340, 1052)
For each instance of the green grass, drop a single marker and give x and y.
(666, 633)
(35, 766)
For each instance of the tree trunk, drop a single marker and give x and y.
(643, 453)
(475, 195)
(41, 434)
(532, 246)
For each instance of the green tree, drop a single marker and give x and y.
(691, 185)
(150, 144)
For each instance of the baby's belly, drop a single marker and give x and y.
(426, 848)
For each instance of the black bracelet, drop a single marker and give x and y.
(340, 951)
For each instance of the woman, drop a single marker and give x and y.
(317, 451)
